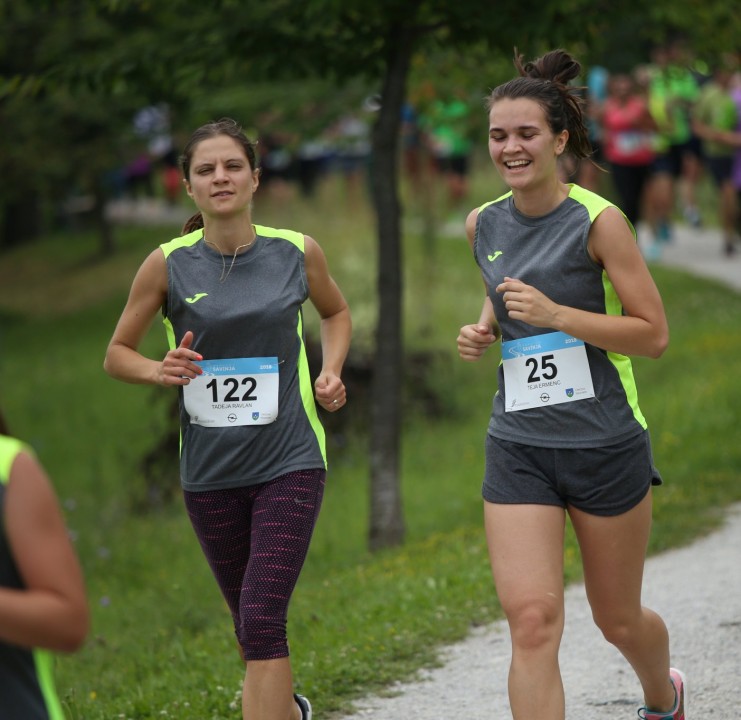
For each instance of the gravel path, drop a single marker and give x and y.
(697, 590)
(699, 251)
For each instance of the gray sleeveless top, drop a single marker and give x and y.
(254, 311)
(550, 253)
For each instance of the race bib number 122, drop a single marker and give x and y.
(234, 391)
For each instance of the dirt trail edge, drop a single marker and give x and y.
(697, 590)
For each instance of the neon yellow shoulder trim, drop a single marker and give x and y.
(491, 202)
(183, 241)
(594, 203)
(292, 236)
(9, 448)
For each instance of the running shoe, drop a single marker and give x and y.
(680, 706)
(305, 706)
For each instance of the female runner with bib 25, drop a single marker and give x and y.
(571, 297)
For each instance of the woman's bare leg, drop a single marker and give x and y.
(613, 552)
(526, 552)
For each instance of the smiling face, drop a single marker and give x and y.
(221, 181)
(522, 145)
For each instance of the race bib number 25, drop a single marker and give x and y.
(545, 370)
(233, 391)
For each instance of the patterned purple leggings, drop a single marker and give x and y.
(255, 540)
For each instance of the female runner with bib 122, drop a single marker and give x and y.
(252, 457)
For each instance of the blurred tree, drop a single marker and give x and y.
(59, 136)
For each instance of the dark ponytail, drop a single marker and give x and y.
(193, 223)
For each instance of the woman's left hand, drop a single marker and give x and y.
(524, 302)
(329, 391)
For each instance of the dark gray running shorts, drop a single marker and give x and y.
(606, 481)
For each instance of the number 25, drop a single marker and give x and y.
(548, 368)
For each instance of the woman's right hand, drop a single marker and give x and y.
(474, 341)
(178, 367)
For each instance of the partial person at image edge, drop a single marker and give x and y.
(43, 608)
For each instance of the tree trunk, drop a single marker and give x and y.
(386, 514)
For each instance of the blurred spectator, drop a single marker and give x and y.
(277, 166)
(736, 96)
(312, 159)
(447, 127)
(715, 110)
(588, 173)
(411, 146)
(629, 132)
(172, 182)
(155, 167)
(139, 176)
(351, 136)
(277, 160)
(313, 152)
(673, 89)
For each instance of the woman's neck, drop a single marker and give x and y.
(229, 234)
(537, 202)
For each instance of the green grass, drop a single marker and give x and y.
(161, 643)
